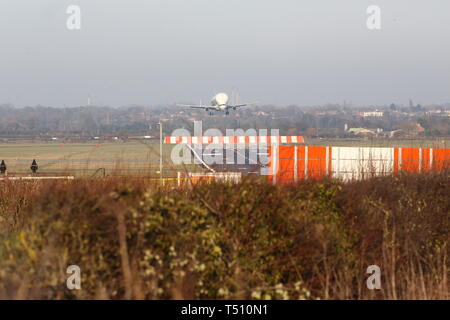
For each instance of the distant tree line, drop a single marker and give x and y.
(330, 120)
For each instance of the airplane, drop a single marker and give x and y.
(218, 103)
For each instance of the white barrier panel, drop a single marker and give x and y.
(356, 163)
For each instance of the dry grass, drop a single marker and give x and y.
(135, 240)
(84, 159)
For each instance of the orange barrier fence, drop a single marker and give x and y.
(291, 163)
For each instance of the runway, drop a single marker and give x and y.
(247, 160)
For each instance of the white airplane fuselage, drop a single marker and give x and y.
(220, 102)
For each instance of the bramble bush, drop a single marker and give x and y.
(313, 240)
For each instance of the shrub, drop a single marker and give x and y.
(313, 240)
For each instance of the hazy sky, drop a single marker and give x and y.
(276, 52)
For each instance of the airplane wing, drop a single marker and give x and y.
(243, 105)
(195, 106)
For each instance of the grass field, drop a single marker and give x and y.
(87, 158)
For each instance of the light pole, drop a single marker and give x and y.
(160, 153)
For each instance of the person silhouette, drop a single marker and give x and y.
(34, 167)
(3, 167)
